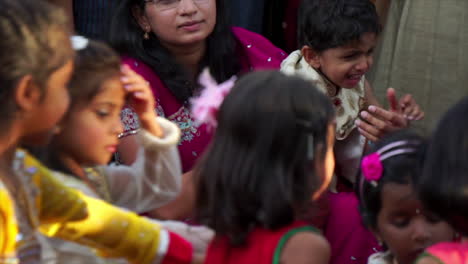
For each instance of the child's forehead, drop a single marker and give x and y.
(366, 40)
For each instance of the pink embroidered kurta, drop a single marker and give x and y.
(255, 53)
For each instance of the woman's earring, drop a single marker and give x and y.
(146, 35)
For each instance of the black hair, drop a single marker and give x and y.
(257, 171)
(402, 168)
(34, 41)
(444, 182)
(126, 36)
(326, 24)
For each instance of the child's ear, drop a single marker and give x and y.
(27, 94)
(311, 56)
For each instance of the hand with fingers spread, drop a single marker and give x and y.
(406, 105)
(141, 100)
(411, 110)
(376, 121)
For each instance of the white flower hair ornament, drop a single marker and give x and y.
(205, 107)
(79, 42)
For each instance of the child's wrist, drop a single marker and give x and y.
(150, 124)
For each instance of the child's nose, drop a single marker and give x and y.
(117, 128)
(364, 63)
(420, 232)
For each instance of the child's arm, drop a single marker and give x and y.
(155, 177)
(68, 214)
(141, 100)
(306, 248)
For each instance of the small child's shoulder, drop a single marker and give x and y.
(305, 246)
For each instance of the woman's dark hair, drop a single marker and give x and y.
(326, 24)
(443, 186)
(402, 168)
(126, 36)
(94, 64)
(257, 171)
(34, 41)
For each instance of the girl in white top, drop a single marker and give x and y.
(88, 137)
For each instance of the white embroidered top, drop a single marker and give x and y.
(153, 180)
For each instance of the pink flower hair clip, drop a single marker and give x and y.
(371, 165)
(205, 107)
(372, 168)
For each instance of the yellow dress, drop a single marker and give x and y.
(42, 203)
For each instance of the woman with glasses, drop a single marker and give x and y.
(169, 43)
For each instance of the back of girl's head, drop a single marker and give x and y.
(95, 63)
(126, 36)
(401, 155)
(444, 182)
(257, 172)
(326, 24)
(34, 41)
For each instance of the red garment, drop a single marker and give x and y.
(179, 251)
(449, 252)
(261, 247)
(255, 52)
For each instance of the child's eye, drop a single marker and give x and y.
(432, 218)
(350, 56)
(102, 113)
(401, 222)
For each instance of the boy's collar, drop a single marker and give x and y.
(332, 88)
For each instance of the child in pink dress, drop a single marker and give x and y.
(268, 159)
(444, 183)
(389, 203)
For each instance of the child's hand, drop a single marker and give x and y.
(411, 110)
(377, 122)
(407, 106)
(141, 100)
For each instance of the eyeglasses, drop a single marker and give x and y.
(171, 4)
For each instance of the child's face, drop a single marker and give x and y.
(50, 109)
(345, 65)
(405, 226)
(90, 132)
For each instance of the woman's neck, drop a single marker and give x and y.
(189, 56)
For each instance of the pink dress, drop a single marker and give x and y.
(350, 241)
(449, 252)
(255, 52)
